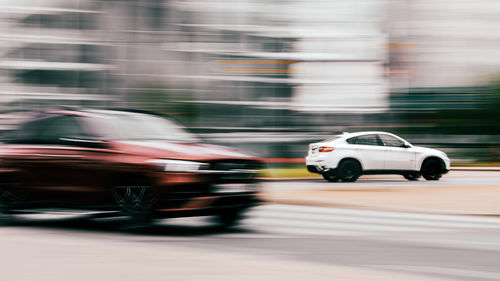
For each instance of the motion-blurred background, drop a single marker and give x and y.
(268, 76)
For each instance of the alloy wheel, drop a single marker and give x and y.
(133, 198)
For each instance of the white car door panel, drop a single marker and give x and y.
(371, 156)
(369, 150)
(398, 158)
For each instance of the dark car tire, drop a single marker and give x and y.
(331, 177)
(6, 218)
(349, 171)
(412, 176)
(431, 170)
(228, 218)
(136, 202)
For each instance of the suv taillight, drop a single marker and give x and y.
(326, 149)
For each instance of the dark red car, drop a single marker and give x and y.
(131, 163)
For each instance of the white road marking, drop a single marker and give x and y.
(304, 220)
(284, 221)
(444, 271)
(368, 219)
(332, 225)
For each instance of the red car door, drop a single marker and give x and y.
(56, 168)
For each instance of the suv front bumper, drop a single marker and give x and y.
(210, 205)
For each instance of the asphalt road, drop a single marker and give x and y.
(274, 242)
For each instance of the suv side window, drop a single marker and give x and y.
(391, 141)
(29, 132)
(62, 127)
(364, 140)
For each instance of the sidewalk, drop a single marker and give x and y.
(470, 200)
(464, 199)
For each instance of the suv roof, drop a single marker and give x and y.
(91, 112)
(355, 134)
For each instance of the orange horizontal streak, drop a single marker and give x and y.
(400, 45)
(176, 209)
(284, 160)
(256, 62)
(256, 70)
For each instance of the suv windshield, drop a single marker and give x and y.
(138, 126)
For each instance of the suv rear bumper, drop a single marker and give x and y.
(320, 164)
(314, 169)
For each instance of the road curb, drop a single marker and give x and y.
(317, 177)
(476, 169)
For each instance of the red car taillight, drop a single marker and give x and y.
(326, 149)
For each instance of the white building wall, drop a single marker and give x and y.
(450, 43)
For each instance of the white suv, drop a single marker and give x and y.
(348, 156)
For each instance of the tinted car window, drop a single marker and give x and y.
(364, 140)
(62, 127)
(391, 141)
(137, 126)
(30, 132)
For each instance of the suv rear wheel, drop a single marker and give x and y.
(331, 177)
(349, 171)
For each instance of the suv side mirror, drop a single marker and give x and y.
(406, 145)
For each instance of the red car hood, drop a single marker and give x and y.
(184, 151)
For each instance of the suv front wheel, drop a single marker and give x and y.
(136, 202)
(6, 198)
(431, 170)
(229, 218)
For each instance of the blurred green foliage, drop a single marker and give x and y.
(481, 120)
(460, 111)
(174, 100)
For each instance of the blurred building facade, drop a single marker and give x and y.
(251, 62)
(51, 54)
(443, 66)
(442, 53)
(266, 75)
